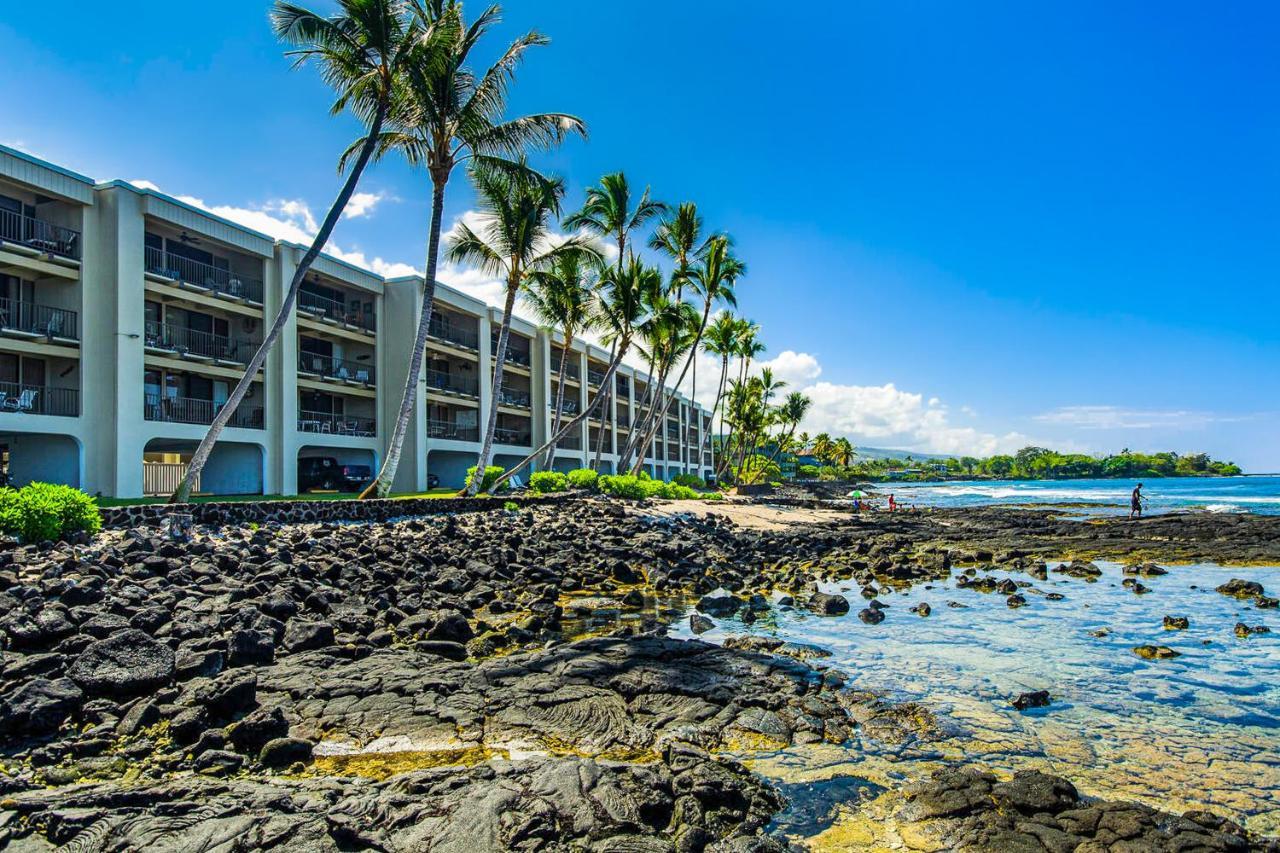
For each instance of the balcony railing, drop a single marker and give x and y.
(326, 423)
(515, 356)
(336, 310)
(595, 377)
(16, 398)
(518, 399)
(572, 370)
(200, 274)
(36, 233)
(193, 342)
(624, 420)
(445, 330)
(570, 442)
(513, 437)
(452, 431)
(187, 410)
(28, 318)
(451, 383)
(569, 407)
(328, 367)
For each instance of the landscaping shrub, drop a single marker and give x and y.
(693, 481)
(677, 492)
(491, 474)
(583, 478)
(41, 511)
(713, 496)
(808, 472)
(511, 506)
(626, 486)
(545, 482)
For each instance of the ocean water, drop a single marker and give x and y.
(1213, 494)
(1201, 730)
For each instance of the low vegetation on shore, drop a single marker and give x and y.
(1029, 463)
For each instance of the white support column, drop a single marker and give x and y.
(281, 378)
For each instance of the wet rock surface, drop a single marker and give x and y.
(416, 685)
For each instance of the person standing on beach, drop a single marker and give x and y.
(1135, 502)
(892, 504)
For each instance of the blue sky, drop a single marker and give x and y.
(968, 226)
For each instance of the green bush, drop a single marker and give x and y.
(545, 482)
(626, 486)
(491, 474)
(511, 506)
(693, 481)
(808, 472)
(677, 492)
(713, 496)
(43, 511)
(583, 478)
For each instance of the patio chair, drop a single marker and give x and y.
(362, 376)
(23, 403)
(54, 327)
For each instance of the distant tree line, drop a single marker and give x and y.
(1029, 463)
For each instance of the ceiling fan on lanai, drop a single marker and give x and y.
(184, 237)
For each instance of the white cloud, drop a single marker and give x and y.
(362, 204)
(1114, 417)
(885, 416)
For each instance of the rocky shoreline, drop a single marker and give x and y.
(497, 681)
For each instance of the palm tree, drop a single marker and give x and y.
(444, 116)
(714, 279)
(608, 212)
(563, 297)
(361, 51)
(668, 332)
(516, 207)
(720, 338)
(843, 453)
(823, 447)
(791, 413)
(622, 309)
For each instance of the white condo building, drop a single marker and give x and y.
(126, 316)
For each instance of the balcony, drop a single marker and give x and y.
(443, 329)
(40, 235)
(520, 358)
(452, 431)
(569, 407)
(186, 410)
(192, 343)
(324, 423)
(19, 399)
(451, 383)
(570, 442)
(624, 420)
(341, 370)
(595, 377)
(335, 310)
(39, 321)
(572, 370)
(514, 398)
(513, 437)
(202, 276)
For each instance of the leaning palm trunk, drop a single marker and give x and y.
(706, 439)
(568, 427)
(655, 415)
(557, 412)
(500, 357)
(608, 395)
(661, 415)
(624, 457)
(387, 473)
(223, 417)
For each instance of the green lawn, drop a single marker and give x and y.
(433, 493)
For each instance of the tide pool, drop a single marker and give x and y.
(1198, 731)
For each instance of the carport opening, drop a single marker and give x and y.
(335, 470)
(233, 468)
(39, 458)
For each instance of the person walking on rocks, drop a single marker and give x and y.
(1135, 502)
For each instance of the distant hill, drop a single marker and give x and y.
(884, 453)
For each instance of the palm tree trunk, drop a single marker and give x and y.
(657, 412)
(220, 420)
(706, 439)
(693, 354)
(387, 474)
(504, 332)
(571, 425)
(557, 411)
(608, 395)
(624, 460)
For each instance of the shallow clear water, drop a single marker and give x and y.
(1201, 730)
(1216, 494)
